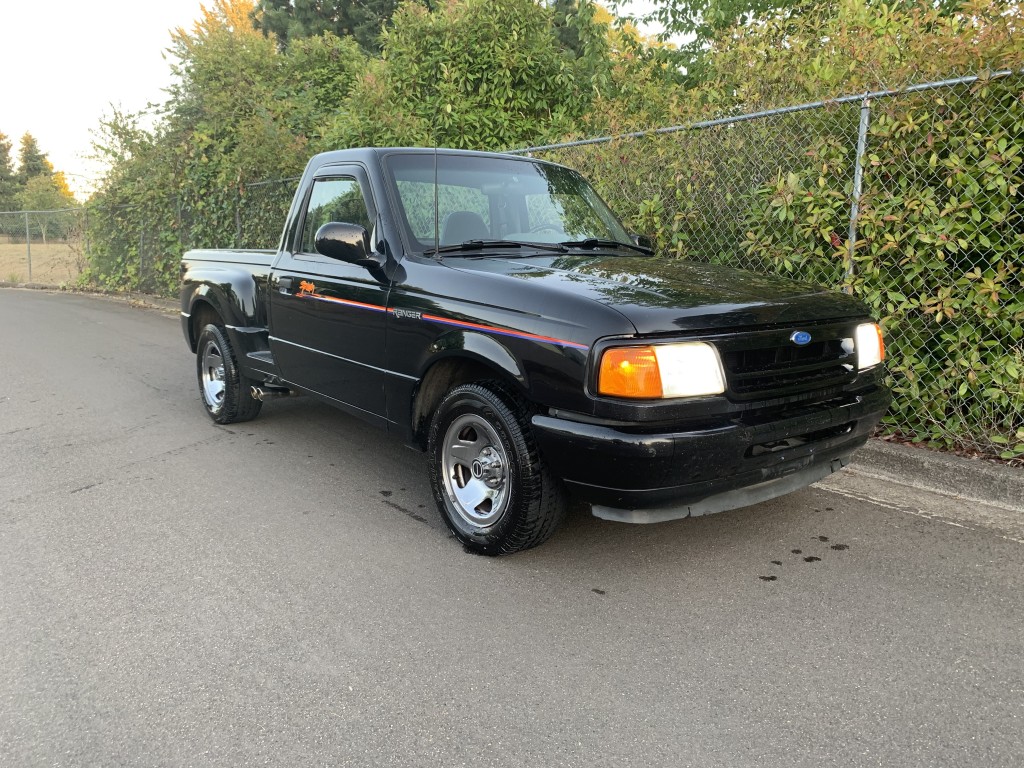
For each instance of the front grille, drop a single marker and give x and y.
(768, 364)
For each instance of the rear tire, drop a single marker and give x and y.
(489, 481)
(225, 392)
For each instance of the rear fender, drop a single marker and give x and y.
(231, 292)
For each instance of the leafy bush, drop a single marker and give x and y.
(483, 74)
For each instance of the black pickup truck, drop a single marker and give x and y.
(493, 311)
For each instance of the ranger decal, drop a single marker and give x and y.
(307, 290)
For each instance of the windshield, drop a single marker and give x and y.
(497, 199)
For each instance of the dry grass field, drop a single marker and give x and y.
(56, 262)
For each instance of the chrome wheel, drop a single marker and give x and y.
(475, 469)
(491, 485)
(212, 375)
(224, 390)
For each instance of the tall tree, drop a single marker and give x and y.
(474, 73)
(699, 23)
(32, 161)
(49, 194)
(8, 179)
(289, 20)
(852, 46)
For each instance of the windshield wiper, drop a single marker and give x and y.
(595, 242)
(476, 245)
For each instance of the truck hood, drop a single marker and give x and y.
(659, 295)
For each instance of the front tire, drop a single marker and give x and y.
(225, 392)
(489, 481)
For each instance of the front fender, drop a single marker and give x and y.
(476, 346)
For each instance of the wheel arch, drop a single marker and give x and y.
(454, 368)
(202, 312)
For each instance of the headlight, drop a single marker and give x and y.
(689, 369)
(870, 345)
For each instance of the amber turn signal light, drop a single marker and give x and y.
(681, 369)
(630, 372)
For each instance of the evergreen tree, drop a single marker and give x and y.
(32, 161)
(565, 14)
(9, 186)
(288, 20)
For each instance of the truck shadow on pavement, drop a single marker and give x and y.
(772, 538)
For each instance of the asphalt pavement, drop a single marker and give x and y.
(282, 592)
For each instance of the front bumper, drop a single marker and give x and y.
(643, 477)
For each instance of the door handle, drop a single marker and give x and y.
(284, 285)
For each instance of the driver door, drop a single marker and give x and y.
(328, 316)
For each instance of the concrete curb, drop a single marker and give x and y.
(955, 476)
(147, 300)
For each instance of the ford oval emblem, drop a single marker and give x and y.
(800, 338)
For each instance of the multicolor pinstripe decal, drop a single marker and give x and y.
(307, 290)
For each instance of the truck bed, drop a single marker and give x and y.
(255, 257)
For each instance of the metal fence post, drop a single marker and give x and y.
(85, 233)
(858, 181)
(28, 247)
(238, 215)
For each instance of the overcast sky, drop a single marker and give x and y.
(64, 62)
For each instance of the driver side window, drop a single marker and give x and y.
(338, 199)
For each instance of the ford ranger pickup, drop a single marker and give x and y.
(492, 311)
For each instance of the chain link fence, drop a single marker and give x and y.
(148, 246)
(88, 243)
(911, 200)
(43, 246)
